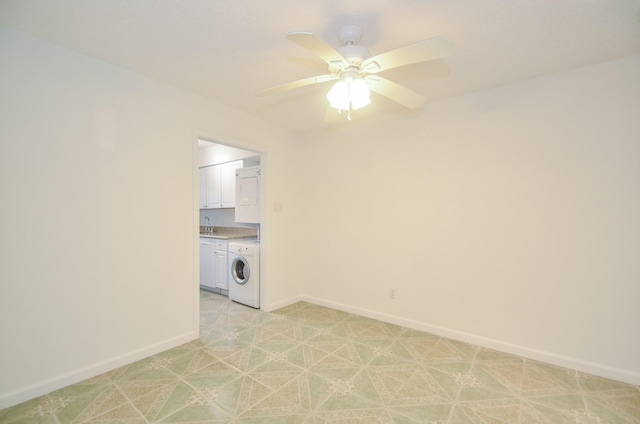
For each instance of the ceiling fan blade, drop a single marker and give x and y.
(429, 49)
(395, 92)
(318, 47)
(295, 84)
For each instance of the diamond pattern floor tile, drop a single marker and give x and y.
(308, 364)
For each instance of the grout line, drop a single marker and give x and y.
(131, 404)
(457, 399)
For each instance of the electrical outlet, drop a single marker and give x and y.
(392, 293)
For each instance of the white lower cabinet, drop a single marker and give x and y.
(213, 263)
(221, 266)
(207, 262)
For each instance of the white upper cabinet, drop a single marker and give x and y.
(203, 188)
(248, 195)
(213, 186)
(228, 183)
(217, 185)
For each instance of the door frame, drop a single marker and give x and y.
(262, 151)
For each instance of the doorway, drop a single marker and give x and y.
(210, 155)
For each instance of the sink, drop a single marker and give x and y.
(208, 230)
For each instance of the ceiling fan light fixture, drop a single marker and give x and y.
(359, 93)
(350, 94)
(338, 96)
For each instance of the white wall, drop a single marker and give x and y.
(98, 181)
(507, 217)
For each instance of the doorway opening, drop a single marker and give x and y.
(220, 223)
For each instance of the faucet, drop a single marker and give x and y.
(207, 227)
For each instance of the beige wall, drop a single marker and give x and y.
(507, 217)
(98, 181)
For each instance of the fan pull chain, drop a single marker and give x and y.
(348, 113)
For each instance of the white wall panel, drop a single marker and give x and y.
(506, 217)
(99, 213)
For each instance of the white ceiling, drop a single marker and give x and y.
(226, 50)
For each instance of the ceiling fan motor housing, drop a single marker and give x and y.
(354, 54)
(350, 34)
(350, 37)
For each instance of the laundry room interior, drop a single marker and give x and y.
(229, 218)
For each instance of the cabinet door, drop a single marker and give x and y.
(248, 195)
(213, 186)
(207, 264)
(221, 270)
(203, 188)
(228, 183)
(248, 191)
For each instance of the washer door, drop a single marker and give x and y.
(240, 270)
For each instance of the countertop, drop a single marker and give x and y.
(228, 233)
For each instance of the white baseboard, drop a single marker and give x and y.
(588, 367)
(46, 386)
(282, 303)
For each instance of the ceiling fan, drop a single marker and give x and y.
(356, 70)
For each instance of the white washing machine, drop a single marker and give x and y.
(244, 272)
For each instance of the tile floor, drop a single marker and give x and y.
(313, 365)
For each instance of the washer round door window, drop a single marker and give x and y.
(240, 270)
